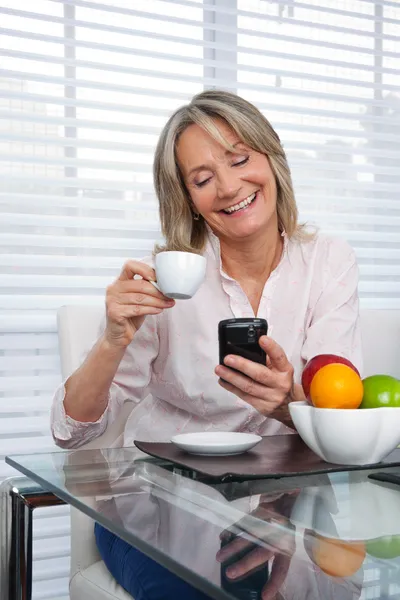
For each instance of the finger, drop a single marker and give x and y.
(263, 406)
(140, 286)
(230, 533)
(135, 267)
(144, 300)
(242, 382)
(250, 388)
(129, 311)
(252, 561)
(279, 571)
(251, 369)
(234, 547)
(276, 354)
(225, 535)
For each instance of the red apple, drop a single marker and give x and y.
(315, 365)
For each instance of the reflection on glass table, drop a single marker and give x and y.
(333, 537)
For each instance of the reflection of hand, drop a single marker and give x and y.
(263, 545)
(281, 551)
(268, 388)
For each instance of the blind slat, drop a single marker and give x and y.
(44, 302)
(22, 425)
(27, 403)
(146, 226)
(30, 363)
(27, 342)
(42, 383)
(74, 182)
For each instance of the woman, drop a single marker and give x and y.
(224, 189)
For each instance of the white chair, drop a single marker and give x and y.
(381, 342)
(78, 328)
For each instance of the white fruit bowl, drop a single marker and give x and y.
(347, 436)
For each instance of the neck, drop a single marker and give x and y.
(251, 260)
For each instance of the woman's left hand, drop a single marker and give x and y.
(268, 388)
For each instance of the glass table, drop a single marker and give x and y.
(333, 537)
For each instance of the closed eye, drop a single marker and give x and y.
(201, 183)
(240, 162)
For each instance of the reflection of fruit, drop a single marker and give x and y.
(381, 390)
(336, 386)
(315, 365)
(336, 557)
(384, 547)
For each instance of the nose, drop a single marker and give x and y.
(227, 185)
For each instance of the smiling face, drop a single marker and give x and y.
(234, 192)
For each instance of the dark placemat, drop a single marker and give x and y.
(275, 456)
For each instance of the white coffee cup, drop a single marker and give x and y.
(179, 274)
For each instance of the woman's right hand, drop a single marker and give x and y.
(129, 300)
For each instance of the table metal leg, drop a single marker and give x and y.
(24, 497)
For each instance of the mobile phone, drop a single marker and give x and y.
(246, 588)
(240, 337)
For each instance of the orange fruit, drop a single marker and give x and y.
(337, 557)
(336, 386)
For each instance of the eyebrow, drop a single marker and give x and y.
(204, 167)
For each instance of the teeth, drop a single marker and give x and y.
(241, 204)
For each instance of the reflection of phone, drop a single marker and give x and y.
(385, 477)
(240, 336)
(248, 587)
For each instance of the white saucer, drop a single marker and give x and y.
(216, 443)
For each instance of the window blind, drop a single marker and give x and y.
(85, 88)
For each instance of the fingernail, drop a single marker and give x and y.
(231, 572)
(230, 360)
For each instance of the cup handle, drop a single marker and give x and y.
(155, 285)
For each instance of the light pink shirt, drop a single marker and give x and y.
(311, 304)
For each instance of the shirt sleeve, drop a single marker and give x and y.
(130, 384)
(334, 321)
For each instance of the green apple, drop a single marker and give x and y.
(380, 391)
(384, 547)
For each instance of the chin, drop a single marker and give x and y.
(247, 230)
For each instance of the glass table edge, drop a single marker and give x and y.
(189, 576)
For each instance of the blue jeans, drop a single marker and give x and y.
(139, 575)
